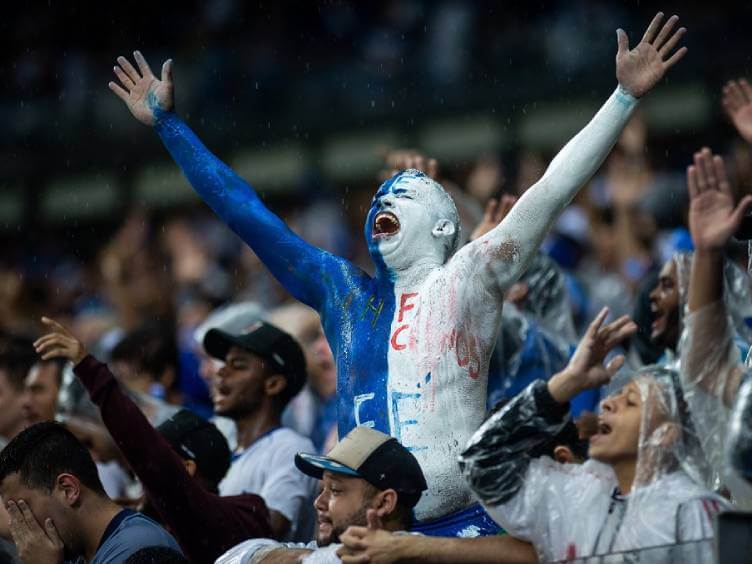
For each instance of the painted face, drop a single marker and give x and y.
(664, 303)
(42, 387)
(238, 388)
(341, 503)
(412, 219)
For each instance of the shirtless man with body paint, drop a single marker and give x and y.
(413, 341)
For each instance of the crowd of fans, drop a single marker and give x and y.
(166, 399)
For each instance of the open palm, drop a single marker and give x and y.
(141, 91)
(737, 101)
(639, 69)
(713, 218)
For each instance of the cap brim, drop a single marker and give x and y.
(217, 343)
(314, 465)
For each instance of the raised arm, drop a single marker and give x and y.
(638, 71)
(496, 459)
(307, 272)
(710, 358)
(737, 102)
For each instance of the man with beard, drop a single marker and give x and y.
(367, 478)
(412, 342)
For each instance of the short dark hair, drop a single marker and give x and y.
(59, 363)
(156, 555)
(151, 348)
(402, 514)
(40, 453)
(17, 356)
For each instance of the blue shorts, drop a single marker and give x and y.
(472, 521)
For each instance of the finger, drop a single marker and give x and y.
(420, 163)
(51, 530)
(31, 520)
(614, 364)
(124, 79)
(129, 69)
(719, 171)
(622, 41)
(619, 335)
(671, 43)
(614, 326)
(55, 353)
(729, 106)
(17, 525)
(663, 35)
(702, 182)
(353, 542)
(746, 89)
(122, 94)
(653, 28)
(55, 325)
(706, 160)
(675, 58)
(741, 210)
(488, 213)
(592, 329)
(373, 520)
(167, 72)
(692, 182)
(433, 168)
(48, 338)
(142, 64)
(356, 558)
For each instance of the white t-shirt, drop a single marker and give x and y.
(267, 468)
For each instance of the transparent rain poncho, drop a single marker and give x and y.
(570, 511)
(712, 370)
(535, 339)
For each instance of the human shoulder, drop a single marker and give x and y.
(134, 532)
(254, 550)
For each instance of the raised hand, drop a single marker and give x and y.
(141, 91)
(59, 343)
(403, 159)
(495, 211)
(713, 219)
(586, 369)
(34, 543)
(639, 69)
(737, 101)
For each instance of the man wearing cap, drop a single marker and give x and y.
(180, 464)
(367, 478)
(263, 370)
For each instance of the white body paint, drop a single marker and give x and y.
(447, 315)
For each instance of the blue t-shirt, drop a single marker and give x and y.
(127, 533)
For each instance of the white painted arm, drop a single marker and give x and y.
(506, 250)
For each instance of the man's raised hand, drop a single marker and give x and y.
(737, 102)
(141, 91)
(639, 69)
(712, 215)
(59, 343)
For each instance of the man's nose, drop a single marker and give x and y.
(321, 502)
(387, 201)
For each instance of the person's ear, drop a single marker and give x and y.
(68, 489)
(564, 455)
(190, 467)
(443, 228)
(274, 385)
(385, 502)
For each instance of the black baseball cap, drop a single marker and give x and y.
(267, 341)
(197, 439)
(376, 458)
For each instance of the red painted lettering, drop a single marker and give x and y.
(395, 345)
(404, 306)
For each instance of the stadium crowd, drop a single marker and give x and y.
(563, 378)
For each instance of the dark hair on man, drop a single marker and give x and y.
(17, 355)
(151, 348)
(156, 555)
(40, 453)
(402, 514)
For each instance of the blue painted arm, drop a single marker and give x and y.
(307, 272)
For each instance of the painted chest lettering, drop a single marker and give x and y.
(404, 306)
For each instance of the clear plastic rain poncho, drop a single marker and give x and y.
(711, 346)
(535, 340)
(570, 511)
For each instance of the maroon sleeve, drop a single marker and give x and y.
(205, 524)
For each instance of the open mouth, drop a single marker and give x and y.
(604, 428)
(385, 224)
